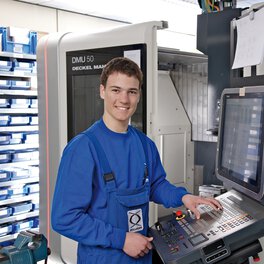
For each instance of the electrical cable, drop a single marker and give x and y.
(202, 5)
(207, 6)
(213, 6)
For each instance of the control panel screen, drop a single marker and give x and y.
(241, 142)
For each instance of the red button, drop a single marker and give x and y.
(178, 213)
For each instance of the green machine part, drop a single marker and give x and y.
(29, 248)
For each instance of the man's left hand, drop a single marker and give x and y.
(192, 201)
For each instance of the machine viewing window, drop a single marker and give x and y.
(84, 68)
(240, 143)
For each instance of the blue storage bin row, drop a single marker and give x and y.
(11, 138)
(16, 227)
(13, 173)
(15, 209)
(9, 43)
(6, 229)
(14, 120)
(15, 103)
(17, 66)
(19, 138)
(25, 155)
(12, 192)
(8, 120)
(21, 208)
(18, 103)
(25, 225)
(15, 85)
(19, 155)
(17, 191)
(20, 85)
(16, 173)
(28, 67)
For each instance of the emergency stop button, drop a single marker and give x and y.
(179, 215)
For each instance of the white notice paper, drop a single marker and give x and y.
(250, 40)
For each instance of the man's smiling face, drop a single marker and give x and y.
(121, 96)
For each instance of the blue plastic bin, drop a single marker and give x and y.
(16, 138)
(4, 175)
(4, 103)
(25, 155)
(5, 229)
(17, 173)
(5, 212)
(17, 191)
(19, 103)
(5, 157)
(10, 46)
(4, 139)
(5, 84)
(20, 85)
(23, 66)
(3, 193)
(22, 225)
(4, 120)
(21, 208)
(19, 120)
(32, 188)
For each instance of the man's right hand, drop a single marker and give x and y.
(137, 245)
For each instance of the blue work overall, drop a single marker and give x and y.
(126, 209)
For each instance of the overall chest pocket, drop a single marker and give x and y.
(134, 199)
(129, 209)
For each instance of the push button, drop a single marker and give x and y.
(179, 215)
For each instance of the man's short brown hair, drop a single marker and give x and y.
(122, 65)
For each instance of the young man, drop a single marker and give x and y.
(107, 176)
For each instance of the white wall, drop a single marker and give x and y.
(23, 15)
(68, 21)
(43, 19)
(181, 33)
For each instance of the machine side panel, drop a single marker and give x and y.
(173, 136)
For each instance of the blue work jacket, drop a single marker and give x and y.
(81, 203)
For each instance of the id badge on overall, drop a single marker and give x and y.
(135, 220)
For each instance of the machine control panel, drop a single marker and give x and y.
(180, 238)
